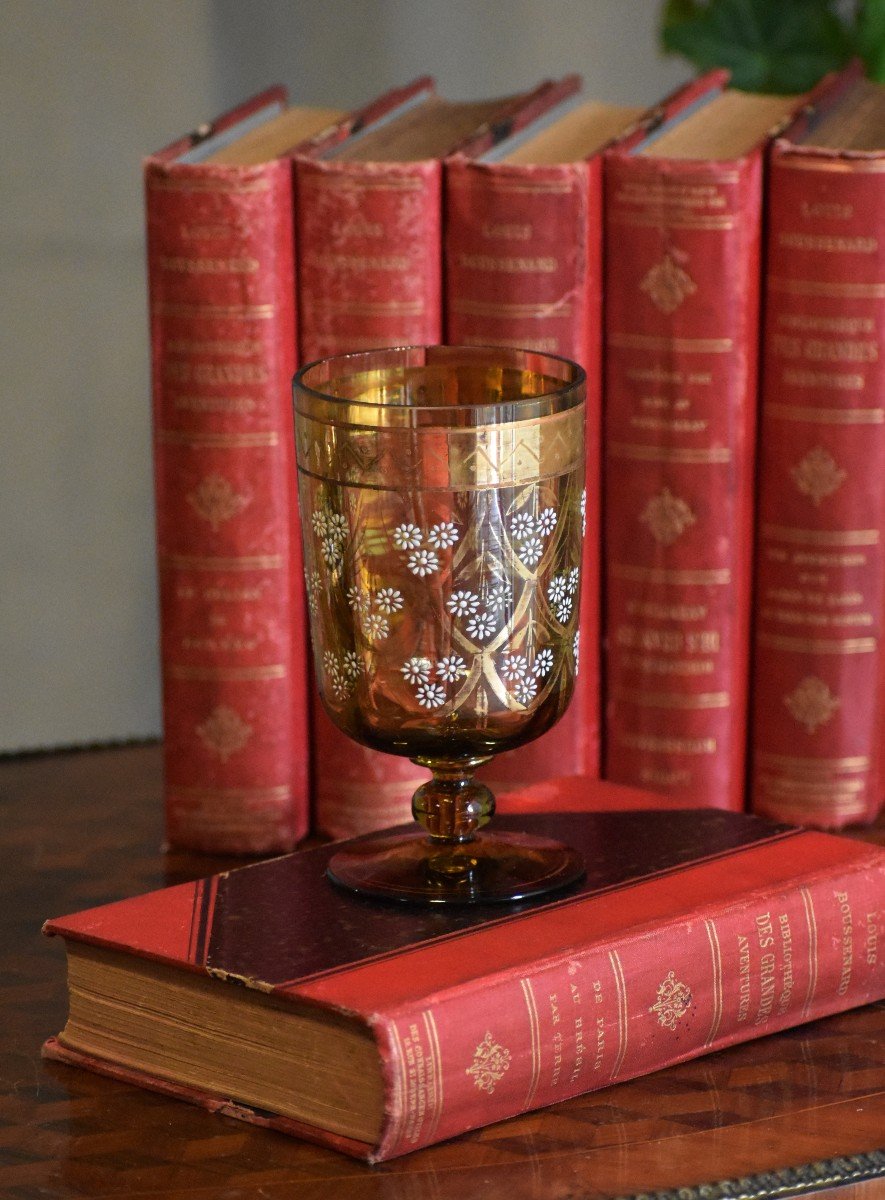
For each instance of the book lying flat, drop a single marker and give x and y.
(267, 994)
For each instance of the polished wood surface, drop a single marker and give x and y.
(83, 828)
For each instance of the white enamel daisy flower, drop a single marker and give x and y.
(416, 670)
(557, 589)
(331, 548)
(480, 626)
(576, 647)
(522, 525)
(583, 512)
(543, 663)
(547, 520)
(500, 595)
(462, 603)
(443, 535)
(430, 695)
(358, 599)
(574, 578)
(375, 627)
(563, 609)
(526, 690)
(320, 525)
(451, 668)
(389, 600)
(330, 662)
(336, 526)
(423, 562)
(531, 550)
(341, 686)
(514, 666)
(407, 536)
(352, 665)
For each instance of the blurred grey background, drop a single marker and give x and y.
(87, 87)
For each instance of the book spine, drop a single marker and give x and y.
(523, 250)
(369, 275)
(819, 676)
(599, 1016)
(220, 274)
(522, 253)
(682, 299)
(369, 255)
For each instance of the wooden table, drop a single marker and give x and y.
(82, 828)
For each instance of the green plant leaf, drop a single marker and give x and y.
(783, 47)
(871, 37)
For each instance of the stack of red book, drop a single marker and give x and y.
(632, 240)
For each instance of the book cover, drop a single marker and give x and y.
(370, 275)
(818, 733)
(693, 930)
(221, 281)
(683, 231)
(523, 252)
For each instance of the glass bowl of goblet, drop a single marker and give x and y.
(442, 495)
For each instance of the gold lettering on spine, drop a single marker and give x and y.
(621, 989)
(535, 1033)
(400, 1083)
(716, 955)
(178, 265)
(510, 265)
(824, 243)
(436, 1071)
(811, 924)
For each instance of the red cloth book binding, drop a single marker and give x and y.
(692, 931)
(683, 229)
(523, 252)
(818, 739)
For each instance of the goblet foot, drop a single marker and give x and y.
(490, 868)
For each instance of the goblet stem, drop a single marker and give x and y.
(452, 805)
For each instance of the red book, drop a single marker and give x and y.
(683, 228)
(818, 743)
(370, 271)
(692, 931)
(523, 251)
(222, 305)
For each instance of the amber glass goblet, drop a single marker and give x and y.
(441, 493)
